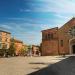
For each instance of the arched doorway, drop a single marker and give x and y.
(73, 49)
(72, 45)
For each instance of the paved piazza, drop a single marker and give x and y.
(25, 65)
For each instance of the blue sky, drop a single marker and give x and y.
(26, 18)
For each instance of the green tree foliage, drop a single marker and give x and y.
(1, 52)
(4, 50)
(12, 48)
(25, 50)
(22, 51)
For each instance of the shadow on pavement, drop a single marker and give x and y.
(39, 63)
(64, 67)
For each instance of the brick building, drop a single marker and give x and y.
(18, 46)
(59, 40)
(5, 39)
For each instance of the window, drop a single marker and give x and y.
(0, 38)
(0, 34)
(50, 36)
(0, 45)
(45, 36)
(6, 39)
(62, 43)
(7, 35)
(5, 46)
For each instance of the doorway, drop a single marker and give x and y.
(73, 48)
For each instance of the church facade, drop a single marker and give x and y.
(57, 41)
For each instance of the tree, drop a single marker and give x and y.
(4, 50)
(24, 50)
(12, 48)
(29, 50)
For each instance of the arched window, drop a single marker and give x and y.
(61, 42)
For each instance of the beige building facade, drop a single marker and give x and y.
(5, 39)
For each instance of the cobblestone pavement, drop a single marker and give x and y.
(25, 65)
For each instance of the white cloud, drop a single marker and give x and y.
(25, 10)
(6, 26)
(58, 6)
